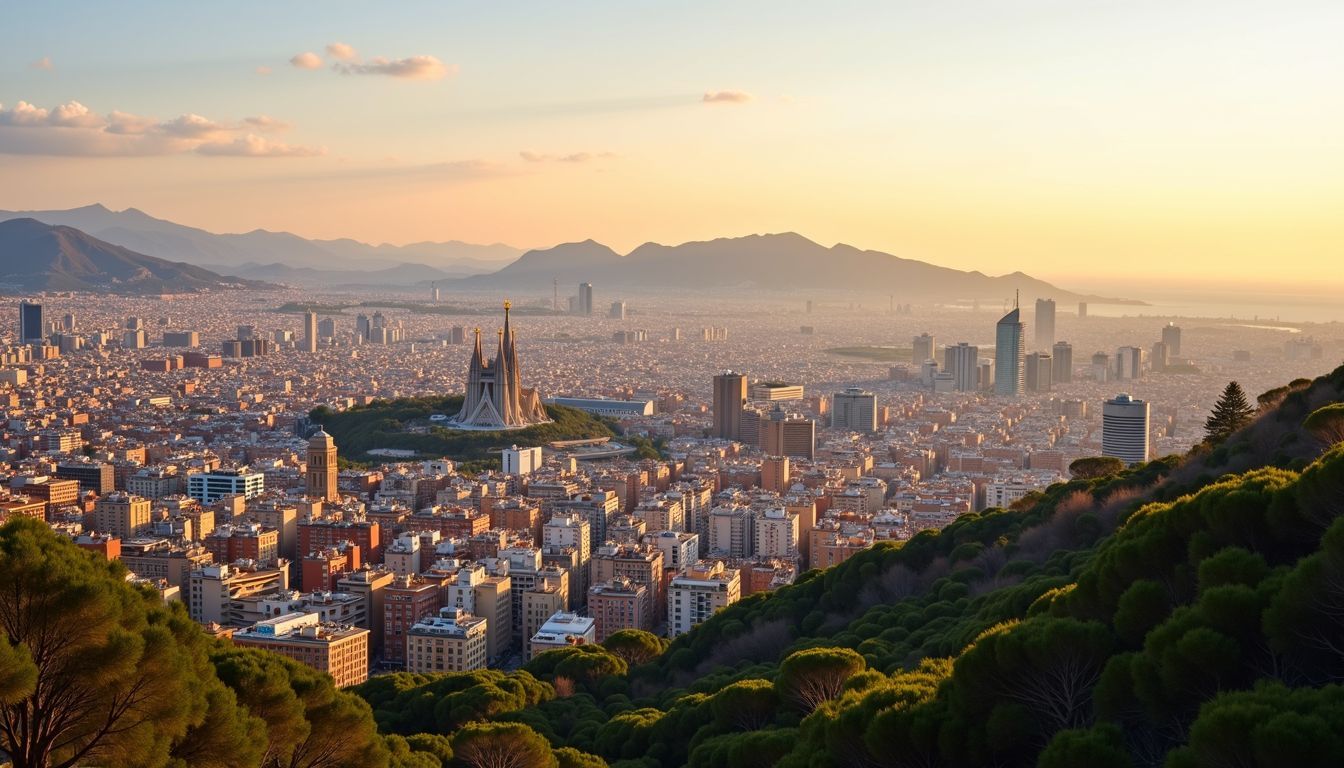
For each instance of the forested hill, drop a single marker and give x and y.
(1183, 613)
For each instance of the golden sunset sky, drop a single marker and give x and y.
(1073, 140)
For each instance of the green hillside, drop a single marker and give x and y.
(385, 424)
(1189, 612)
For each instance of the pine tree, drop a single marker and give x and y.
(1230, 413)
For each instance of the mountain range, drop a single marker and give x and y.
(37, 257)
(770, 262)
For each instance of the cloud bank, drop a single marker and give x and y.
(347, 61)
(74, 130)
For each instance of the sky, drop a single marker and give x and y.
(1098, 143)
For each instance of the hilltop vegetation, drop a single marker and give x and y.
(383, 424)
(1181, 613)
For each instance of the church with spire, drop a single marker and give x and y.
(496, 398)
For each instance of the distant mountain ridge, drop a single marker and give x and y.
(35, 257)
(771, 262)
(774, 262)
(138, 231)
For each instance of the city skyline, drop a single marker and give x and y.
(1117, 133)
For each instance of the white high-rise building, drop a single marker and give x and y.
(963, 362)
(1124, 429)
(1045, 323)
(1129, 362)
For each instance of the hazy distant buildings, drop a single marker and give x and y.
(585, 306)
(773, 391)
(1124, 429)
(923, 349)
(1045, 323)
(1171, 336)
(1038, 372)
(1062, 355)
(1082, 309)
(1102, 369)
(181, 339)
(1129, 363)
(310, 331)
(730, 394)
(963, 362)
(617, 310)
(1009, 354)
(854, 409)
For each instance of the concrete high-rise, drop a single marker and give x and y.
(924, 346)
(1038, 369)
(1171, 336)
(730, 394)
(1062, 354)
(30, 322)
(310, 331)
(963, 362)
(784, 434)
(1129, 362)
(585, 298)
(854, 409)
(1045, 323)
(1009, 354)
(1124, 429)
(322, 468)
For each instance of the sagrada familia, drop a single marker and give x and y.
(496, 398)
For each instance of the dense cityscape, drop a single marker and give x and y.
(175, 437)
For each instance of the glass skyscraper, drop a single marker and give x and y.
(1009, 353)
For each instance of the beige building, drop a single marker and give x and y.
(216, 592)
(322, 469)
(561, 630)
(489, 596)
(453, 641)
(698, 592)
(340, 650)
(122, 515)
(548, 596)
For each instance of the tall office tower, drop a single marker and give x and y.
(1102, 370)
(730, 394)
(310, 331)
(985, 381)
(68, 322)
(585, 298)
(326, 328)
(1009, 351)
(784, 434)
(363, 326)
(322, 469)
(854, 409)
(963, 362)
(617, 310)
(246, 332)
(1161, 356)
(1038, 372)
(1124, 429)
(1171, 336)
(775, 474)
(1045, 323)
(923, 349)
(30, 322)
(1061, 371)
(1129, 362)
(1082, 310)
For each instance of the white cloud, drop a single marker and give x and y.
(575, 157)
(725, 97)
(263, 70)
(252, 145)
(42, 63)
(265, 123)
(307, 60)
(72, 129)
(410, 68)
(341, 51)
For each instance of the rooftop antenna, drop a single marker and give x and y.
(555, 297)
(1017, 297)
